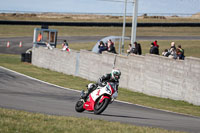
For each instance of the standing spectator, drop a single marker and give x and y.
(39, 39)
(180, 53)
(153, 49)
(111, 46)
(139, 49)
(102, 47)
(135, 50)
(65, 46)
(156, 43)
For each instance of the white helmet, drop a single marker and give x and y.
(116, 74)
(90, 85)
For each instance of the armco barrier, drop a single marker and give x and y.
(150, 74)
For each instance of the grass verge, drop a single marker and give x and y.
(23, 122)
(24, 30)
(69, 81)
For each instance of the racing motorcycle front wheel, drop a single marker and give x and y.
(100, 107)
(79, 106)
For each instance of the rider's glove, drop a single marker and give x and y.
(102, 84)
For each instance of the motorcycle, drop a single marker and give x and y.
(98, 100)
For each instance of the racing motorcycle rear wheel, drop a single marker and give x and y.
(79, 106)
(100, 107)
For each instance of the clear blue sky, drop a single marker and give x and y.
(101, 6)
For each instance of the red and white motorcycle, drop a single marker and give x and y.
(99, 99)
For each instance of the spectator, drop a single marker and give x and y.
(39, 39)
(135, 50)
(156, 43)
(153, 49)
(139, 49)
(166, 53)
(180, 53)
(102, 47)
(48, 46)
(111, 46)
(172, 51)
(130, 50)
(65, 43)
(65, 46)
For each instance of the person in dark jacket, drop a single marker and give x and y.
(102, 47)
(111, 46)
(139, 49)
(153, 49)
(135, 51)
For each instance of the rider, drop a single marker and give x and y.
(114, 76)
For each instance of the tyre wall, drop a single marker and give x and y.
(150, 74)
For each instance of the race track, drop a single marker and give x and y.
(27, 42)
(23, 93)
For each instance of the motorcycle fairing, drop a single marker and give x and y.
(89, 105)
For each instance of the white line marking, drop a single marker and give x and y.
(39, 80)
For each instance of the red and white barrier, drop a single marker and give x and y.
(8, 44)
(20, 44)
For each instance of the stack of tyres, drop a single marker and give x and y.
(26, 57)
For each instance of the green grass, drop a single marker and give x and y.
(69, 81)
(22, 30)
(19, 121)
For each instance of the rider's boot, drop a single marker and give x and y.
(84, 94)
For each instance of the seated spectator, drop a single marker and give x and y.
(102, 47)
(65, 46)
(172, 51)
(130, 50)
(180, 53)
(153, 49)
(166, 53)
(65, 43)
(111, 46)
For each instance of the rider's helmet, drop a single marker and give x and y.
(91, 86)
(116, 74)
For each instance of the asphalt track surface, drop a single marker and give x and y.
(27, 41)
(24, 93)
